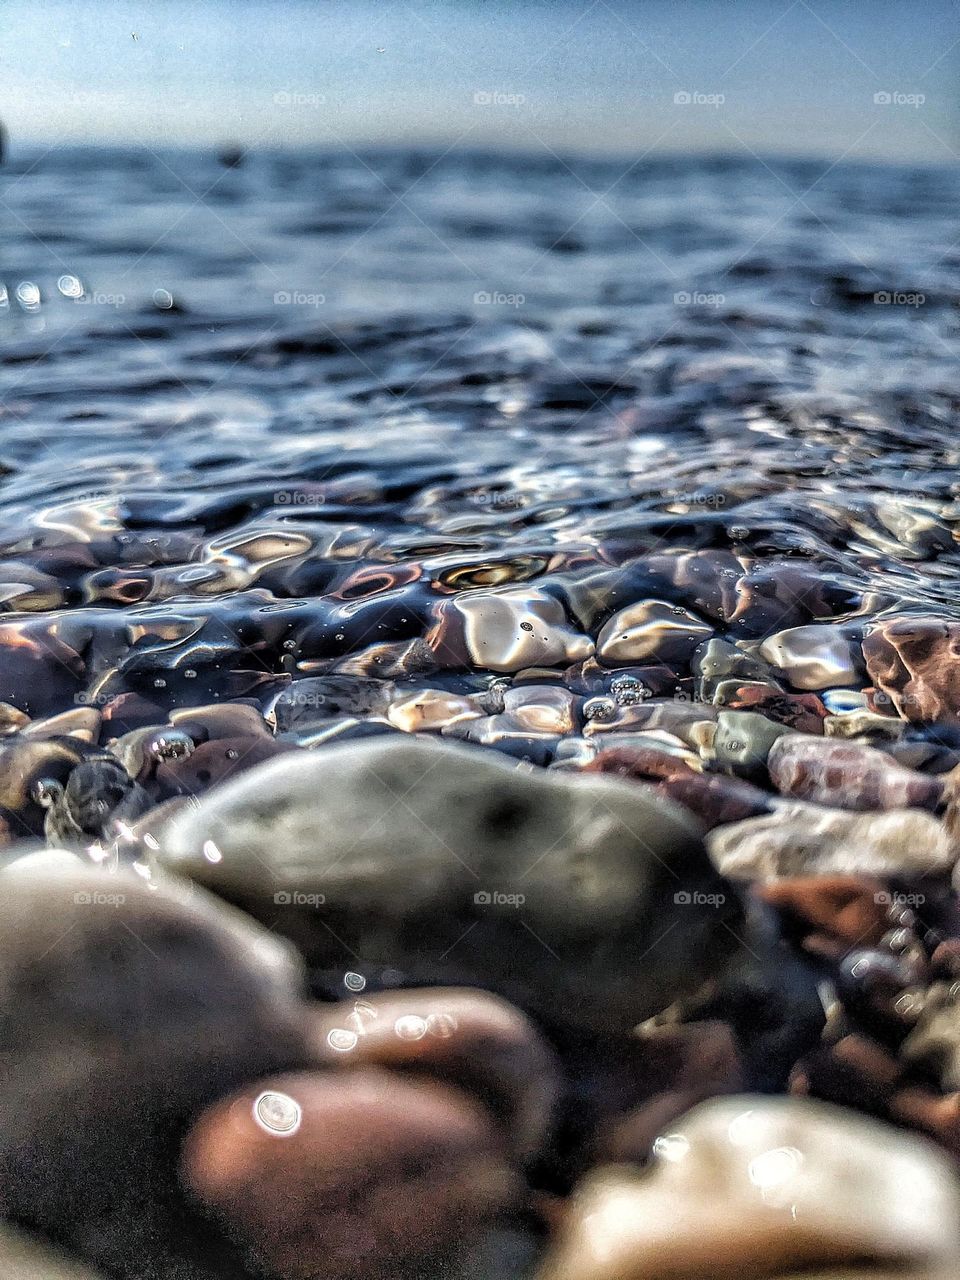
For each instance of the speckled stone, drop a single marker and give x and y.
(742, 743)
(915, 662)
(847, 775)
(801, 839)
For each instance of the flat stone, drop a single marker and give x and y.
(452, 866)
(813, 657)
(915, 662)
(804, 839)
(847, 775)
(753, 1185)
(430, 710)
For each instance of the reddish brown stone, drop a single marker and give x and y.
(916, 663)
(851, 909)
(638, 762)
(715, 798)
(467, 1038)
(848, 775)
(352, 1176)
(803, 712)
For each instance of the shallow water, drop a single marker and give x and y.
(302, 404)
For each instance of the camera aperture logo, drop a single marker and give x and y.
(696, 898)
(96, 898)
(296, 898)
(495, 898)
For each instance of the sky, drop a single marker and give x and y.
(869, 79)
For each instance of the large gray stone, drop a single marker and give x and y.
(580, 898)
(126, 1010)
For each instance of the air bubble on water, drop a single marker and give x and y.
(189, 674)
(441, 1025)
(70, 286)
(211, 852)
(599, 709)
(411, 1027)
(45, 792)
(233, 753)
(163, 299)
(354, 981)
(159, 683)
(342, 1040)
(526, 626)
(289, 644)
(277, 1113)
(28, 295)
(172, 744)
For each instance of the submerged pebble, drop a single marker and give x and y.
(813, 657)
(846, 775)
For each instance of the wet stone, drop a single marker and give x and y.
(742, 743)
(485, 874)
(799, 839)
(847, 775)
(651, 629)
(728, 1177)
(718, 661)
(97, 794)
(316, 698)
(813, 657)
(915, 662)
(506, 630)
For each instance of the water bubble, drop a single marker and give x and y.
(354, 981)
(28, 295)
(163, 299)
(526, 626)
(189, 674)
(159, 683)
(278, 1113)
(441, 1025)
(599, 709)
(70, 286)
(171, 744)
(342, 1040)
(628, 690)
(411, 1027)
(233, 753)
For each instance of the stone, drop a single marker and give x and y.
(851, 909)
(98, 793)
(813, 657)
(752, 1185)
(934, 1042)
(742, 742)
(429, 710)
(718, 661)
(651, 629)
(506, 630)
(316, 698)
(465, 1038)
(847, 775)
(801, 712)
(351, 1176)
(915, 662)
(126, 1008)
(542, 709)
(801, 839)
(545, 887)
(24, 1258)
(861, 724)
